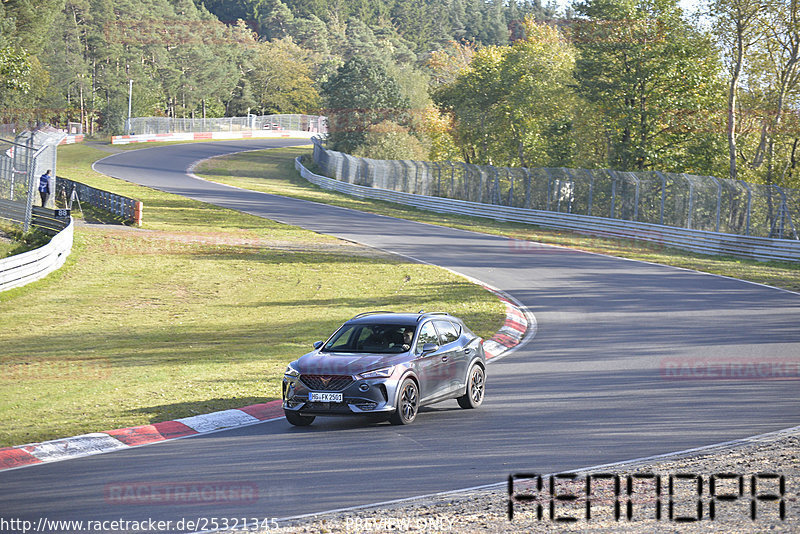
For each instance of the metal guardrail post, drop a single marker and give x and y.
(719, 201)
(613, 175)
(549, 186)
(663, 196)
(527, 187)
(691, 200)
(636, 181)
(510, 177)
(30, 167)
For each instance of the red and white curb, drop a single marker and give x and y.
(513, 332)
(124, 438)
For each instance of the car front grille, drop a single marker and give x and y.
(326, 382)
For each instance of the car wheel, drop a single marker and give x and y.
(476, 385)
(298, 420)
(407, 403)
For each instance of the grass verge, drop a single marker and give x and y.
(198, 311)
(256, 171)
(13, 241)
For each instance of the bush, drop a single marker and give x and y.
(388, 140)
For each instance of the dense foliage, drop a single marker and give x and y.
(628, 84)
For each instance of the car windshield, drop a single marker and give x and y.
(371, 338)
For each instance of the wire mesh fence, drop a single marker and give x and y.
(164, 125)
(670, 199)
(22, 161)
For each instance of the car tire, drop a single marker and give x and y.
(407, 403)
(297, 419)
(476, 387)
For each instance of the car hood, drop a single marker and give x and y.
(345, 363)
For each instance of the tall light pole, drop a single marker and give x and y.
(130, 105)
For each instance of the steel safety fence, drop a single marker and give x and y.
(23, 160)
(166, 125)
(127, 209)
(680, 200)
(659, 235)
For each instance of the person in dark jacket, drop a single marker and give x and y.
(44, 186)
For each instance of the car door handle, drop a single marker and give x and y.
(444, 358)
(467, 351)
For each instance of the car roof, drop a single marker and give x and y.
(396, 318)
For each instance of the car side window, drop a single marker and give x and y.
(447, 332)
(427, 334)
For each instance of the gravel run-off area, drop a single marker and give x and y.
(733, 466)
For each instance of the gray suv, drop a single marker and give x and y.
(387, 364)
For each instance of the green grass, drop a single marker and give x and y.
(256, 170)
(198, 311)
(13, 241)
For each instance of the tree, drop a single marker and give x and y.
(15, 70)
(388, 140)
(514, 104)
(652, 75)
(472, 99)
(737, 27)
(536, 111)
(359, 95)
(281, 79)
(777, 60)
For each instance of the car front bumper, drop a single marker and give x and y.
(361, 396)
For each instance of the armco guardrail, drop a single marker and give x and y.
(682, 238)
(128, 209)
(28, 267)
(44, 219)
(50, 221)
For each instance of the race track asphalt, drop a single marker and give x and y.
(590, 389)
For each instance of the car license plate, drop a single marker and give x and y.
(324, 396)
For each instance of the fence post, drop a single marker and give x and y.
(31, 178)
(691, 201)
(527, 187)
(719, 200)
(137, 213)
(613, 175)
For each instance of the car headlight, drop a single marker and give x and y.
(378, 373)
(291, 371)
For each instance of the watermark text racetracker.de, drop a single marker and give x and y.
(43, 524)
(730, 369)
(180, 493)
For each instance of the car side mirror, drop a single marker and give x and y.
(429, 347)
(318, 344)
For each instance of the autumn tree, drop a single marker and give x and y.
(281, 79)
(653, 76)
(737, 26)
(513, 105)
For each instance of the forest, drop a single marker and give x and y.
(622, 84)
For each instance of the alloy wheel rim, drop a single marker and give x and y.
(409, 402)
(477, 385)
